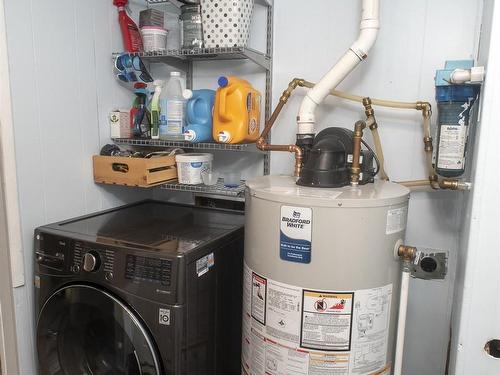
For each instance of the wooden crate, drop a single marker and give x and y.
(134, 171)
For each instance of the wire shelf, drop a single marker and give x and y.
(220, 53)
(218, 188)
(246, 147)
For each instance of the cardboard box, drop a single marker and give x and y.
(119, 122)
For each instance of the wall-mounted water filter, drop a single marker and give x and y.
(457, 89)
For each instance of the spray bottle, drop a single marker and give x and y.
(156, 110)
(132, 41)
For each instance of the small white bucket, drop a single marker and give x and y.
(190, 167)
(154, 38)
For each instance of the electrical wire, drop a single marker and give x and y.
(374, 155)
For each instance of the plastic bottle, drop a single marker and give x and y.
(199, 116)
(236, 117)
(175, 107)
(156, 110)
(132, 41)
(163, 113)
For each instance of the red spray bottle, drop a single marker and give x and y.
(132, 40)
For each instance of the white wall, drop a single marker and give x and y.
(476, 305)
(62, 91)
(415, 39)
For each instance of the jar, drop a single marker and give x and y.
(192, 32)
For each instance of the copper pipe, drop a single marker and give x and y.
(371, 122)
(262, 143)
(443, 184)
(356, 151)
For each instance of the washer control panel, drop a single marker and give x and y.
(90, 259)
(153, 270)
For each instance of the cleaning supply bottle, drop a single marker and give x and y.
(175, 107)
(199, 116)
(132, 41)
(163, 113)
(236, 117)
(155, 110)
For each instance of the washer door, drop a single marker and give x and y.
(85, 330)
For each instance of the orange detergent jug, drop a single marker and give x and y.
(236, 111)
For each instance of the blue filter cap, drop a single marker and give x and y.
(223, 81)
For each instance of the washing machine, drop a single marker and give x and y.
(151, 288)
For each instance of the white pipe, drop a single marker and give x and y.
(358, 52)
(403, 308)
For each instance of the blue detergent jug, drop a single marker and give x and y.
(199, 116)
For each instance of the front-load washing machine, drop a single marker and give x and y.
(151, 288)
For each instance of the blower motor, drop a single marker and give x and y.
(328, 160)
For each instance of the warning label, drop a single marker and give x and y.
(259, 291)
(288, 330)
(326, 320)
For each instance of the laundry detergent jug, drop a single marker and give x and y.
(199, 116)
(236, 111)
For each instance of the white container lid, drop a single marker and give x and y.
(193, 158)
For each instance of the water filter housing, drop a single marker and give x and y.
(455, 103)
(321, 279)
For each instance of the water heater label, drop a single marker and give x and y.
(321, 312)
(296, 234)
(396, 220)
(313, 332)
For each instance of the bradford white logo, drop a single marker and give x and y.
(295, 221)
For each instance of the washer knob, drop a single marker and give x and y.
(90, 262)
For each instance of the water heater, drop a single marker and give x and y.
(321, 278)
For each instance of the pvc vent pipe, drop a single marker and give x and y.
(358, 52)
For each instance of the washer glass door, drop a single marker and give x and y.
(85, 330)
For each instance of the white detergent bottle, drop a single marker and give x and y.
(163, 113)
(175, 107)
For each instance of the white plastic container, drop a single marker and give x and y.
(154, 38)
(191, 166)
(226, 23)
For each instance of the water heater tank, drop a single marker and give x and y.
(321, 280)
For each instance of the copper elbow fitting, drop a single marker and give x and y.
(425, 107)
(407, 253)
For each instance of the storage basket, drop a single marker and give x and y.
(134, 171)
(226, 23)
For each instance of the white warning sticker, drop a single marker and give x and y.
(288, 330)
(283, 309)
(204, 264)
(396, 220)
(259, 289)
(370, 327)
(326, 320)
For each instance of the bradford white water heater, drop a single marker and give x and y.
(321, 279)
